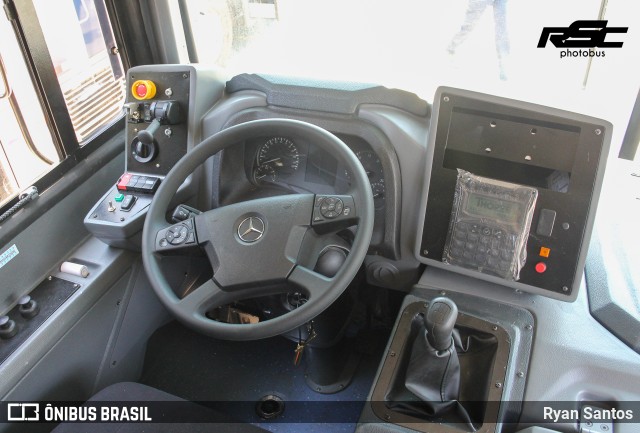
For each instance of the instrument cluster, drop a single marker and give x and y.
(302, 166)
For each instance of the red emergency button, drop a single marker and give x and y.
(541, 267)
(143, 89)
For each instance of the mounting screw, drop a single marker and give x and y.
(520, 374)
(119, 301)
(604, 427)
(498, 385)
(113, 363)
(49, 277)
(598, 131)
(442, 293)
(487, 149)
(445, 99)
(589, 424)
(387, 416)
(168, 92)
(494, 327)
(565, 289)
(425, 252)
(76, 286)
(341, 386)
(392, 353)
(157, 165)
(528, 158)
(114, 50)
(168, 132)
(528, 327)
(185, 76)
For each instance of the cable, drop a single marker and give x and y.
(28, 195)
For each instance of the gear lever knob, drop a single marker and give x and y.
(439, 322)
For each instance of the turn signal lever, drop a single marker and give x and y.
(439, 322)
(144, 145)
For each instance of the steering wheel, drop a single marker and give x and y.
(259, 247)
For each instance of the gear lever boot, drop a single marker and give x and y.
(433, 373)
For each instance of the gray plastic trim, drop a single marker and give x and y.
(106, 266)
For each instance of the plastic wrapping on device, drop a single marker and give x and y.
(489, 226)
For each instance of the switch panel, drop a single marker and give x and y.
(157, 119)
(32, 311)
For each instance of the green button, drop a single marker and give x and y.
(119, 198)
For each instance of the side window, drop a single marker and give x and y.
(26, 145)
(85, 61)
(80, 42)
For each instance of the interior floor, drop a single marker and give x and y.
(216, 372)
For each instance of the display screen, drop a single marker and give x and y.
(321, 167)
(494, 208)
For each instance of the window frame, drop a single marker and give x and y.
(30, 37)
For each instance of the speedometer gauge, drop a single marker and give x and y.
(280, 154)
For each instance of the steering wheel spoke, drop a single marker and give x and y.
(315, 284)
(333, 212)
(176, 237)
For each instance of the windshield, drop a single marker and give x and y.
(417, 45)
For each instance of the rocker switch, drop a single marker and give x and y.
(128, 202)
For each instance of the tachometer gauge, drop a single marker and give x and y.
(279, 153)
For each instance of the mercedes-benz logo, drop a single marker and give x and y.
(251, 229)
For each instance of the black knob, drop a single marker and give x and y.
(439, 322)
(28, 307)
(144, 145)
(330, 261)
(144, 152)
(8, 328)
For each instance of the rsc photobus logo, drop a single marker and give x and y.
(581, 34)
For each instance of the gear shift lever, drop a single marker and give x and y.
(439, 322)
(433, 373)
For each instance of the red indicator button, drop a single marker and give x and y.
(122, 183)
(541, 267)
